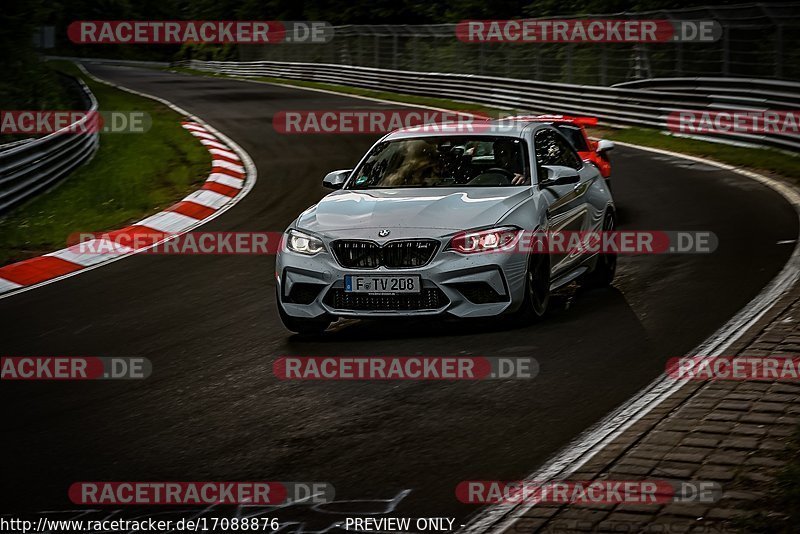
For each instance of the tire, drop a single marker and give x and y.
(304, 327)
(537, 290)
(606, 267)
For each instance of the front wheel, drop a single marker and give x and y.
(537, 290)
(606, 267)
(304, 327)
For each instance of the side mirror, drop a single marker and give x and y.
(604, 146)
(550, 175)
(336, 179)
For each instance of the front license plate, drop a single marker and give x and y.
(384, 285)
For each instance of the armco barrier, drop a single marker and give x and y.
(634, 104)
(29, 167)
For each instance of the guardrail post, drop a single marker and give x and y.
(394, 52)
(377, 56)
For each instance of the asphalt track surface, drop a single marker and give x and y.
(212, 409)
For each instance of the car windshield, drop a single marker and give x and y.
(487, 161)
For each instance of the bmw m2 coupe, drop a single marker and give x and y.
(428, 223)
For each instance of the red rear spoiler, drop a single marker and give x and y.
(581, 121)
(585, 121)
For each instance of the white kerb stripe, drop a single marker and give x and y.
(7, 285)
(91, 252)
(225, 180)
(168, 222)
(214, 144)
(203, 135)
(224, 153)
(194, 126)
(227, 165)
(209, 199)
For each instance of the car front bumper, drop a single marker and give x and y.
(475, 285)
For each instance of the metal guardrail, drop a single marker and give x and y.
(30, 167)
(776, 94)
(759, 40)
(645, 103)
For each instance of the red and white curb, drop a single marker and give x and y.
(229, 179)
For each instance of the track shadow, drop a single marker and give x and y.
(566, 305)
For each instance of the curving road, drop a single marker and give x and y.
(212, 409)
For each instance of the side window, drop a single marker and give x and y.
(548, 151)
(569, 158)
(553, 149)
(574, 135)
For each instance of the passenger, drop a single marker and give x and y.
(416, 168)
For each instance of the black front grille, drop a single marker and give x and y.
(398, 254)
(359, 254)
(427, 299)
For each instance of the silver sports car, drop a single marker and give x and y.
(429, 223)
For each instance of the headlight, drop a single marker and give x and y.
(302, 243)
(493, 240)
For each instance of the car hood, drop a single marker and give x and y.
(445, 208)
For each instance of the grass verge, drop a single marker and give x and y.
(763, 160)
(131, 176)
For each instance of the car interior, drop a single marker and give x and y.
(443, 162)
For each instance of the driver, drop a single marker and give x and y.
(506, 155)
